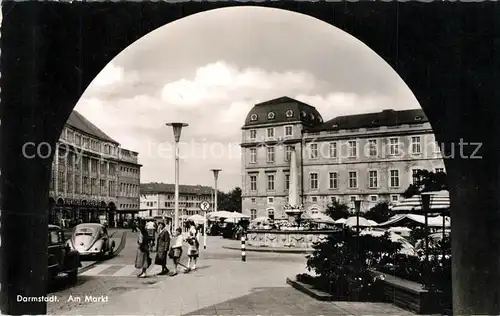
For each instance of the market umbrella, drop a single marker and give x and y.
(440, 200)
(340, 221)
(374, 223)
(198, 219)
(352, 222)
(406, 247)
(323, 218)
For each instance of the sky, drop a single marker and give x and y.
(209, 69)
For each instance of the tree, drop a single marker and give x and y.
(338, 210)
(229, 201)
(379, 213)
(426, 181)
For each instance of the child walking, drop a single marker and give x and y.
(193, 248)
(176, 251)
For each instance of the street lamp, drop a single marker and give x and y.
(426, 202)
(357, 206)
(177, 127)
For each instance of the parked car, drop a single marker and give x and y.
(61, 259)
(91, 239)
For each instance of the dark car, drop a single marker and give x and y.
(61, 259)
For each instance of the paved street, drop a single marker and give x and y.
(222, 285)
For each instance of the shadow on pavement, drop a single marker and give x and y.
(271, 301)
(62, 283)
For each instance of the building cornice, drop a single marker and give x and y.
(365, 135)
(357, 161)
(271, 142)
(266, 125)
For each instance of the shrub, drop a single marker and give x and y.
(343, 261)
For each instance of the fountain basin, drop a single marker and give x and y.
(301, 239)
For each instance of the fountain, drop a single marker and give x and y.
(290, 238)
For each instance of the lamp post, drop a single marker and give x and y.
(357, 206)
(426, 202)
(177, 127)
(216, 177)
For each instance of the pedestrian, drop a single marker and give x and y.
(193, 248)
(162, 246)
(134, 226)
(150, 227)
(142, 258)
(175, 252)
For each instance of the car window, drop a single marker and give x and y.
(84, 231)
(53, 237)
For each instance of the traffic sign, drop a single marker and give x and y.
(205, 206)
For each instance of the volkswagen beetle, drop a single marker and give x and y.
(91, 239)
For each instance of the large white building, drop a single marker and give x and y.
(158, 199)
(370, 157)
(87, 176)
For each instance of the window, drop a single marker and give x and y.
(314, 199)
(253, 200)
(313, 181)
(416, 147)
(102, 184)
(372, 148)
(333, 180)
(253, 117)
(53, 237)
(289, 113)
(270, 132)
(393, 146)
(253, 214)
(253, 134)
(288, 153)
(414, 176)
(270, 213)
(313, 154)
(287, 182)
(270, 154)
(270, 200)
(373, 198)
(288, 130)
(438, 170)
(394, 198)
(270, 182)
(352, 198)
(253, 155)
(333, 150)
(271, 116)
(353, 179)
(353, 148)
(373, 179)
(333, 199)
(394, 179)
(253, 183)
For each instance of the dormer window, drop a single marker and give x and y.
(271, 115)
(312, 116)
(335, 126)
(303, 113)
(320, 119)
(418, 118)
(374, 122)
(253, 117)
(289, 113)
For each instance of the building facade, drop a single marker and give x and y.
(129, 181)
(85, 175)
(158, 199)
(369, 157)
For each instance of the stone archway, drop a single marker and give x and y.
(449, 60)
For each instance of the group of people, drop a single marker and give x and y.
(166, 247)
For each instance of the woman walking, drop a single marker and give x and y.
(162, 246)
(142, 259)
(193, 248)
(176, 251)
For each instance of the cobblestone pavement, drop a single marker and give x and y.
(222, 285)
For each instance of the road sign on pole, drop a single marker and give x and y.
(205, 206)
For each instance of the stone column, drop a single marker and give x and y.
(293, 191)
(56, 174)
